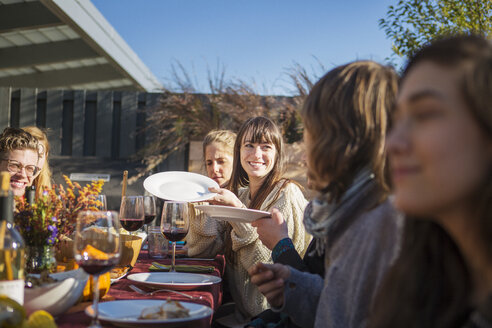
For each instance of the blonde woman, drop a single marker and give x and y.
(43, 178)
(19, 155)
(218, 154)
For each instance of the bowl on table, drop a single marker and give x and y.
(56, 297)
(130, 248)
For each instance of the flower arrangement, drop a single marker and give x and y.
(38, 223)
(54, 214)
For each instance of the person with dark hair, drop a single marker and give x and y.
(256, 183)
(355, 227)
(19, 155)
(440, 155)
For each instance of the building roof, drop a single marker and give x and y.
(66, 44)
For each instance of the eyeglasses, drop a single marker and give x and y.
(16, 167)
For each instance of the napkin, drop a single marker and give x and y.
(182, 268)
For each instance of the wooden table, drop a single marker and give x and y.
(211, 295)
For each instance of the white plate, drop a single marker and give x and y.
(125, 313)
(234, 214)
(180, 186)
(174, 280)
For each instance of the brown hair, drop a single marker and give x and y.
(258, 129)
(430, 284)
(43, 180)
(347, 113)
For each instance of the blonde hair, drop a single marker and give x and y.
(43, 180)
(17, 139)
(224, 137)
(347, 116)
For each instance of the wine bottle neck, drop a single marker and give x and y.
(30, 194)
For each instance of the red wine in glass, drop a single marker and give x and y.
(97, 248)
(175, 234)
(149, 218)
(97, 267)
(174, 224)
(150, 210)
(131, 224)
(132, 213)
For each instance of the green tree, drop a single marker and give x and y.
(412, 23)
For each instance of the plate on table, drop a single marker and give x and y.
(174, 280)
(125, 313)
(180, 186)
(233, 214)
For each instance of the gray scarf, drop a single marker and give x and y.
(326, 221)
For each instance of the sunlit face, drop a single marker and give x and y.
(438, 154)
(19, 180)
(218, 163)
(257, 159)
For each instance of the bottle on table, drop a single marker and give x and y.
(12, 247)
(30, 194)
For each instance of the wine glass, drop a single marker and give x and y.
(149, 209)
(174, 224)
(101, 204)
(97, 248)
(132, 213)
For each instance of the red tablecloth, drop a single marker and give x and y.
(211, 295)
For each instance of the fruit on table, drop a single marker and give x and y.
(40, 319)
(94, 253)
(66, 266)
(104, 284)
(104, 279)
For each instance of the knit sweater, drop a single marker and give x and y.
(207, 236)
(354, 267)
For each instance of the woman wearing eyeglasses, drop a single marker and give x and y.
(19, 155)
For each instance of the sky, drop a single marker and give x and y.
(257, 41)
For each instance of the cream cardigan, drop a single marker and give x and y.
(206, 238)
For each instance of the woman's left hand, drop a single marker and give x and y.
(225, 197)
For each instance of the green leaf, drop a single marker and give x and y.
(412, 23)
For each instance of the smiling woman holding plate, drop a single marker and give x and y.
(257, 184)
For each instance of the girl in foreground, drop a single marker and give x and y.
(440, 152)
(352, 221)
